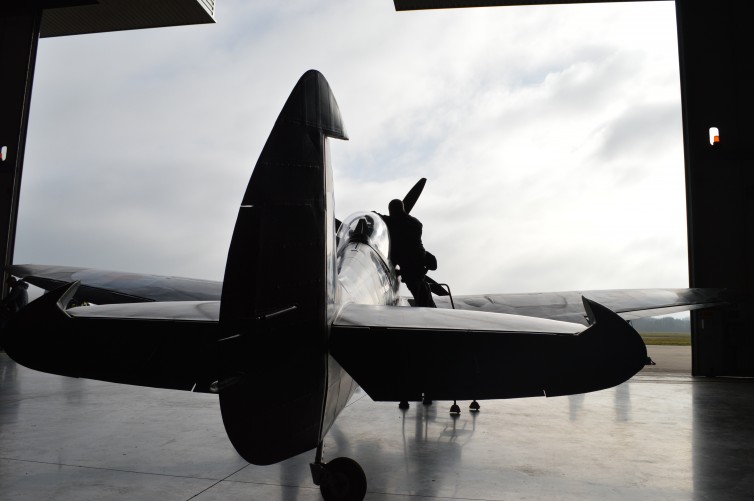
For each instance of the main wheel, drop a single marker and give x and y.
(344, 481)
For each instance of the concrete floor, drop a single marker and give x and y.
(659, 436)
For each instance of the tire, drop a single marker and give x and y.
(344, 481)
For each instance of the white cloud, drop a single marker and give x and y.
(550, 136)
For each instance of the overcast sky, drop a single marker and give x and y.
(550, 136)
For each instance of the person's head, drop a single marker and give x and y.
(12, 281)
(396, 207)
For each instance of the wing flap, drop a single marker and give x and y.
(401, 353)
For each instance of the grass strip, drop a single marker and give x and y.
(666, 339)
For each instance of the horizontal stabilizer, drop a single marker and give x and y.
(162, 345)
(399, 353)
(420, 319)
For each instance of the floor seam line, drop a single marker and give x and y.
(216, 483)
(106, 469)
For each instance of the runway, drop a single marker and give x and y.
(669, 360)
(659, 436)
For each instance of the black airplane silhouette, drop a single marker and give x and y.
(307, 311)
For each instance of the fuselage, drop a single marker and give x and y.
(365, 275)
(291, 367)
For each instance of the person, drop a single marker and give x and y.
(16, 299)
(407, 251)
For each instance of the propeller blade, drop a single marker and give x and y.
(413, 195)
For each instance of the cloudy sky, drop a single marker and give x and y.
(550, 136)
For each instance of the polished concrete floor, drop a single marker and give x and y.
(659, 436)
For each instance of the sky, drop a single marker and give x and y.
(551, 138)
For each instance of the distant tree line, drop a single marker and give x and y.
(665, 324)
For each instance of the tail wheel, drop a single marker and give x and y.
(344, 481)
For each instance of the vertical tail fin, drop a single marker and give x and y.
(280, 234)
(280, 282)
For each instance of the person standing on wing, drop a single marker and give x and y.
(407, 251)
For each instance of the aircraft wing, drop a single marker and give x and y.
(399, 353)
(113, 287)
(567, 306)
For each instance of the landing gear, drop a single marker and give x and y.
(342, 479)
(454, 409)
(474, 406)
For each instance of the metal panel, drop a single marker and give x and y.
(19, 33)
(117, 15)
(717, 74)
(454, 4)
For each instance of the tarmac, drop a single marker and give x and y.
(669, 360)
(661, 435)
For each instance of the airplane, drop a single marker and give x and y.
(309, 309)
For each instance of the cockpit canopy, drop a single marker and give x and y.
(366, 227)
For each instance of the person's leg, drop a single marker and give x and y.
(413, 286)
(420, 290)
(425, 295)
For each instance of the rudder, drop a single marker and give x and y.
(279, 284)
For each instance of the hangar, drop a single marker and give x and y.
(716, 71)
